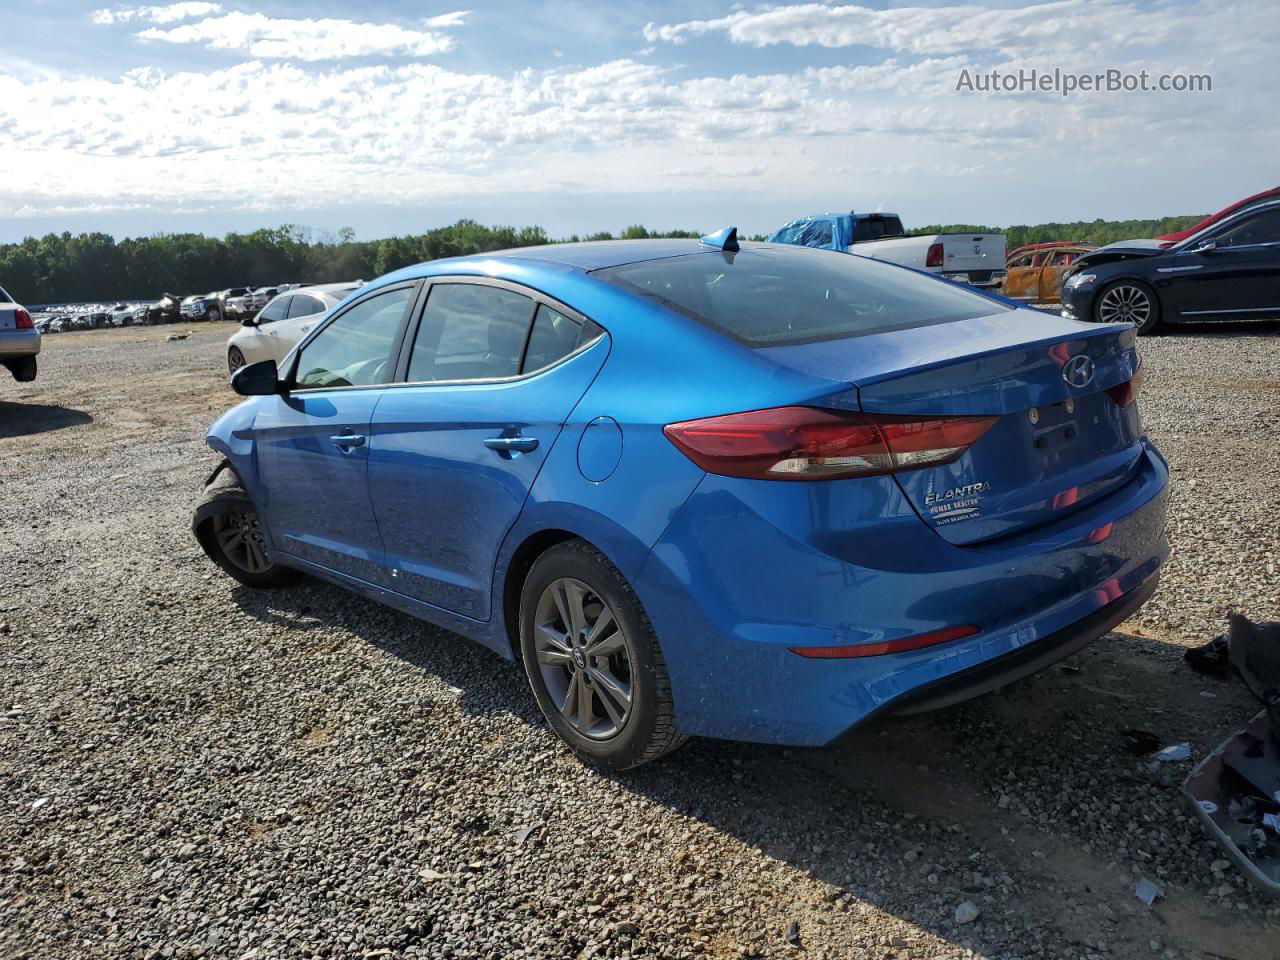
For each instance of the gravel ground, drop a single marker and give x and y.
(192, 769)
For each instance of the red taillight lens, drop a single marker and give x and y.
(805, 443)
(933, 258)
(22, 319)
(1125, 393)
(848, 651)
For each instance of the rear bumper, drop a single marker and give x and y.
(19, 343)
(987, 279)
(1023, 662)
(743, 574)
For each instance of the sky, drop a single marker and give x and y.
(394, 116)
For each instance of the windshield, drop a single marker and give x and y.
(771, 295)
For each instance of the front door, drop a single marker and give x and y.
(1238, 278)
(312, 442)
(492, 377)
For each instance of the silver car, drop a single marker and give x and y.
(19, 339)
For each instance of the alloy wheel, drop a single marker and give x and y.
(1124, 303)
(239, 535)
(585, 658)
(235, 359)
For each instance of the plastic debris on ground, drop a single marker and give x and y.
(1235, 791)
(1147, 892)
(1174, 752)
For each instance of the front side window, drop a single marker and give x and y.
(771, 295)
(275, 310)
(1260, 228)
(354, 350)
(470, 332)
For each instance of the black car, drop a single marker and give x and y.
(1228, 271)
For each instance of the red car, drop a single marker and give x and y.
(1169, 239)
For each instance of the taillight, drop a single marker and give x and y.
(902, 645)
(22, 319)
(805, 443)
(1125, 393)
(934, 256)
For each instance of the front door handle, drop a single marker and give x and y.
(521, 444)
(346, 442)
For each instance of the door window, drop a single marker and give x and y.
(554, 336)
(275, 310)
(354, 349)
(304, 305)
(470, 332)
(1260, 228)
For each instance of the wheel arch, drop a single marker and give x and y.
(522, 560)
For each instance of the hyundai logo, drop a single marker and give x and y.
(1078, 371)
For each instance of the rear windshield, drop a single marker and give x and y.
(4, 297)
(772, 294)
(875, 228)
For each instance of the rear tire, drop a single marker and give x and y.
(229, 530)
(1128, 301)
(23, 368)
(214, 315)
(593, 660)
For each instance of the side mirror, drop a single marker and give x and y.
(1207, 247)
(249, 322)
(256, 379)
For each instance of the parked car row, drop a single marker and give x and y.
(233, 303)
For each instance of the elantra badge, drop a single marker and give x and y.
(1078, 371)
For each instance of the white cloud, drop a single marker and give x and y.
(1067, 24)
(284, 134)
(444, 21)
(287, 39)
(166, 14)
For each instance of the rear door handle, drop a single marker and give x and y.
(521, 444)
(346, 442)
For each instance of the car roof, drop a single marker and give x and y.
(600, 254)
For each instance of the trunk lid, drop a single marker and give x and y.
(972, 251)
(1055, 446)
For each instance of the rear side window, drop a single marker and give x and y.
(771, 295)
(304, 305)
(554, 336)
(470, 332)
(354, 349)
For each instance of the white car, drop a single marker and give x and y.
(282, 323)
(19, 339)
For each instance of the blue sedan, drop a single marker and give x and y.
(747, 491)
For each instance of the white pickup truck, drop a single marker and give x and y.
(973, 258)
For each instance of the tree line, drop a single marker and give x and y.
(1100, 232)
(65, 267)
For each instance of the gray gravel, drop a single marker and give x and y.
(192, 769)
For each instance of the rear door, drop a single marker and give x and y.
(312, 443)
(493, 373)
